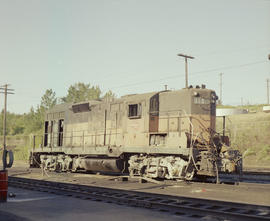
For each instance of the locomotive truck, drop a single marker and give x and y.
(167, 134)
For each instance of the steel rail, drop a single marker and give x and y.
(246, 177)
(257, 177)
(181, 206)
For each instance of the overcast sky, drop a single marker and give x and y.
(130, 46)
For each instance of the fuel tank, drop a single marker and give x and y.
(105, 165)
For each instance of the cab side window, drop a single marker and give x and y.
(134, 111)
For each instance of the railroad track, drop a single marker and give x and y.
(181, 206)
(256, 177)
(246, 177)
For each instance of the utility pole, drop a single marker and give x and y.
(5, 90)
(166, 87)
(186, 65)
(220, 88)
(267, 86)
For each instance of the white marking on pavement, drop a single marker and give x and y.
(31, 199)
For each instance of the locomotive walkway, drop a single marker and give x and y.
(187, 207)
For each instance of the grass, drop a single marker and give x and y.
(21, 146)
(21, 153)
(250, 134)
(251, 108)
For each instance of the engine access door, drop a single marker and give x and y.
(154, 113)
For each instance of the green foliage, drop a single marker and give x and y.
(15, 123)
(249, 152)
(20, 127)
(109, 95)
(19, 144)
(21, 153)
(264, 152)
(249, 133)
(82, 92)
(48, 100)
(36, 117)
(32, 122)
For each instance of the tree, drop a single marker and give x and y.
(35, 118)
(48, 100)
(15, 124)
(109, 95)
(82, 92)
(34, 121)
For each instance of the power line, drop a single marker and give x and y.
(267, 88)
(220, 85)
(192, 73)
(232, 51)
(109, 76)
(230, 67)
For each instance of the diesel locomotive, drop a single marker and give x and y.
(166, 134)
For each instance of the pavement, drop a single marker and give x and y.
(249, 193)
(32, 205)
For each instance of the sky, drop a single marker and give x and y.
(131, 46)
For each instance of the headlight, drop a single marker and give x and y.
(196, 94)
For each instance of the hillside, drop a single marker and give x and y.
(250, 134)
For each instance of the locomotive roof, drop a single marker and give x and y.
(127, 98)
(135, 97)
(64, 106)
